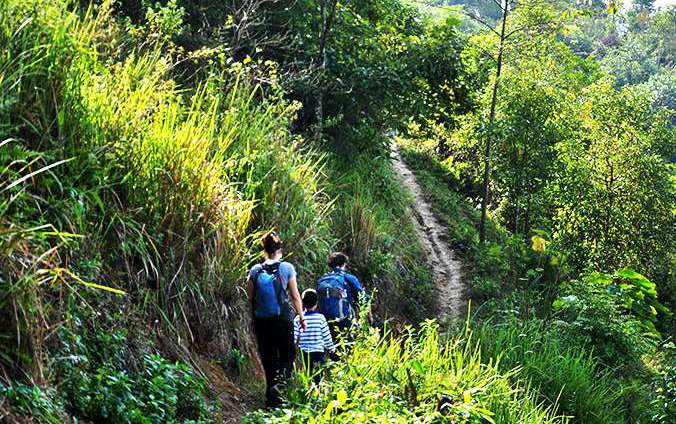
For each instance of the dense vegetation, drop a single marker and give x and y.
(145, 146)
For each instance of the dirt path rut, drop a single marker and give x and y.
(446, 268)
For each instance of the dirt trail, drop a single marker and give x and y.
(446, 268)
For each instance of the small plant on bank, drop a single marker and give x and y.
(103, 381)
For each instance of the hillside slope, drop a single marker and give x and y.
(131, 205)
(146, 146)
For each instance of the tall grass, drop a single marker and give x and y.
(415, 378)
(570, 378)
(169, 186)
(372, 220)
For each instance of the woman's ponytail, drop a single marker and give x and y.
(271, 243)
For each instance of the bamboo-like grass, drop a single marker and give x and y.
(168, 186)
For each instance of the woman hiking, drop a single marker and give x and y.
(272, 290)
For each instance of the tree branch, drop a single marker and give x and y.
(539, 26)
(499, 4)
(481, 21)
(487, 53)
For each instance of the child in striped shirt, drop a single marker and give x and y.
(316, 339)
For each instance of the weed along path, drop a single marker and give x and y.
(445, 267)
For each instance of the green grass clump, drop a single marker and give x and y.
(413, 378)
(198, 169)
(570, 378)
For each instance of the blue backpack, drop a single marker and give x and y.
(333, 294)
(270, 300)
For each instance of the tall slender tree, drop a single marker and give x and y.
(541, 23)
(327, 10)
(504, 7)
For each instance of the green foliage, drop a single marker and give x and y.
(561, 374)
(664, 402)
(634, 293)
(613, 314)
(167, 185)
(539, 79)
(144, 146)
(165, 21)
(415, 377)
(173, 181)
(494, 268)
(383, 65)
(636, 47)
(645, 50)
(101, 382)
(31, 401)
(573, 156)
(237, 361)
(585, 352)
(613, 192)
(590, 217)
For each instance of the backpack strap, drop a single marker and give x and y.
(273, 268)
(341, 278)
(254, 281)
(352, 294)
(341, 274)
(329, 292)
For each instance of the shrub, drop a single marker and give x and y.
(31, 401)
(611, 314)
(663, 404)
(102, 380)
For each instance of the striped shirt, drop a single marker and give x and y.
(316, 336)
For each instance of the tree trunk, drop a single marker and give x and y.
(327, 21)
(487, 158)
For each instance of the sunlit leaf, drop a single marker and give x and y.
(417, 366)
(341, 397)
(539, 244)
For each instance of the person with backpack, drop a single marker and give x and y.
(338, 293)
(316, 340)
(273, 292)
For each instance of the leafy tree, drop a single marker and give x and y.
(645, 50)
(490, 9)
(644, 5)
(613, 192)
(533, 19)
(594, 30)
(537, 90)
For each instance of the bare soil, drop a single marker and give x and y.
(444, 265)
